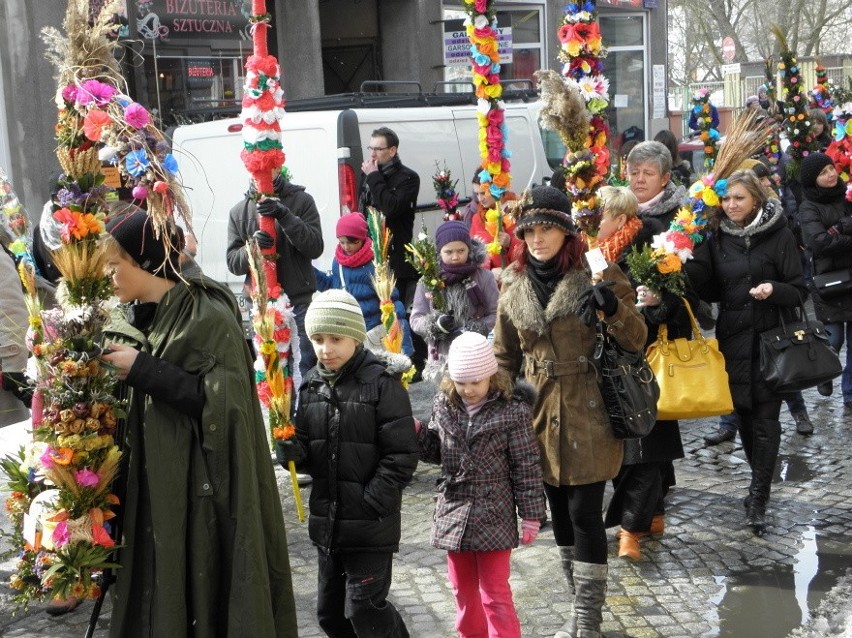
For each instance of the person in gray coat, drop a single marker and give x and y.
(14, 398)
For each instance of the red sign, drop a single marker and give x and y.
(729, 49)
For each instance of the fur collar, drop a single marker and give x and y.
(673, 194)
(770, 218)
(522, 306)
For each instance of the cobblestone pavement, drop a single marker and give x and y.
(706, 576)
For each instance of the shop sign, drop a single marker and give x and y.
(457, 46)
(199, 73)
(192, 19)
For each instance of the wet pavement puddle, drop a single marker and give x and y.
(771, 602)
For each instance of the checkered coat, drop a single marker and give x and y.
(491, 472)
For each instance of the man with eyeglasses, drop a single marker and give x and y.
(392, 188)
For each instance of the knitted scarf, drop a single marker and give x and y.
(357, 259)
(544, 277)
(463, 273)
(614, 245)
(822, 195)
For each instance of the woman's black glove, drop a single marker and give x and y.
(17, 384)
(598, 297)
(272, 207)
(263, 239)
(286, 451)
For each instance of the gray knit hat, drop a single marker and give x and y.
(335, 312)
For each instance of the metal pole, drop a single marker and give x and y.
(157, 80)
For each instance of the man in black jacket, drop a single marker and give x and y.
(298, 241)
(392, 188)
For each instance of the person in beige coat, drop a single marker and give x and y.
(547, 302)
(13, 329)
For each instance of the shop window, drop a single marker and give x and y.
(625, 68)
(521, 46)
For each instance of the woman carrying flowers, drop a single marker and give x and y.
(646, 472)
(497, 234)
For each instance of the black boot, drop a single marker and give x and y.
(767, 439)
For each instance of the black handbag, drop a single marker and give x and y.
(628, 386)
(834, 283)
(796, 355)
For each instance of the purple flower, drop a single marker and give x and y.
(136, 115)
(46, 459)
(86, 478)
(136, 163)
(61, 535)
(94, 91)
(69, 93)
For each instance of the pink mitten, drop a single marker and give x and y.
(530, 530)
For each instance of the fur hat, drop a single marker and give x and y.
(352, 225)
(811, 167)
(471, 358)
(335, 312)
(451, 231)
(134, 231)
(543, 205)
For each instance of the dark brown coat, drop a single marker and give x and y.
(569, 417)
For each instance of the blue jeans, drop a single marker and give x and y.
(306, 350)
(838, 333)
(796, 405)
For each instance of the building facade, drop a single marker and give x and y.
(184, 59)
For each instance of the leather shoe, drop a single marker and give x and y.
(720, 436)
(803, 424)
(628, 544)
(62, 607)
(825, 389)
(658, 525)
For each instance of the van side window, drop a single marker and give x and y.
(554, 149)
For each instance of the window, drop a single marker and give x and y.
(625, 68)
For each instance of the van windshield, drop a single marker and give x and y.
(554, 149)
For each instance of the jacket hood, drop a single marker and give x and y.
(770, 218)
(396, 363)
(524, 391)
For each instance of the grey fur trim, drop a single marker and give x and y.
(434, 371)
(521, 305)
(478, 251)
(396, 363)
(525, 391)
(766, 220)
(673, 195)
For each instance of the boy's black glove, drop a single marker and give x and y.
(263, 239)
(17, 384)
(286, 451)
(598, 297)
(271, 207)
(446, 323)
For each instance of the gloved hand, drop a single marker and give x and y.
(17, 384)
(529, 529)
(446, 323)
(597, 297)
(286, 451)
(272, 207)
(263, 239)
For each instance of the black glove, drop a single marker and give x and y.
(17, 384)
(597, 297)
(263, 239)
(286, 451)
(272, 207)
(446, 323)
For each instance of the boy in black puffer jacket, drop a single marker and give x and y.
(355, 436)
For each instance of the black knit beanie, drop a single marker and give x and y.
(543, 205)
(134, 231)
(811, 167)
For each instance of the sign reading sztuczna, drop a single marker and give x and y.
(168, 19)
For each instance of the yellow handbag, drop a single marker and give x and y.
(691, 375)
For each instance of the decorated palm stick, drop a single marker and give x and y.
(263, 107)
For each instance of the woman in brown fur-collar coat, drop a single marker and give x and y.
(541, 334)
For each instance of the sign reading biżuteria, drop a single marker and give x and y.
(457, 46)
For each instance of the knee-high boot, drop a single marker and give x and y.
(590, 583)
(569, 629)
(764, 455)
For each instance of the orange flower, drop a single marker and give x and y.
(669, 263)
(501, 180)
(62, 456)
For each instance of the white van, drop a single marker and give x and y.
(324, 151)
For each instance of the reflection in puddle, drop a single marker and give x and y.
(772, 601)
(792, 469)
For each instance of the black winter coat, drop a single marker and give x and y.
(299, 241)
(725, 267)
(359, 445)
(663, 443)
(830, 252)
(393, 190)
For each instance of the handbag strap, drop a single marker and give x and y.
(663, 329)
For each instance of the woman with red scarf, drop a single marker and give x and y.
(483, 228)
(352, 270)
